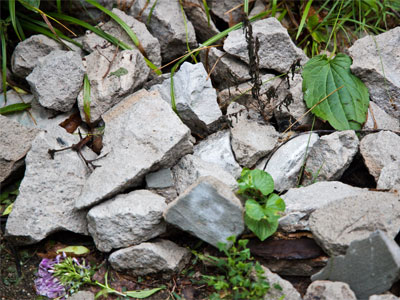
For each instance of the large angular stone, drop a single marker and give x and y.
(277, 50)
(190, 168)
(209, 210)
(195, 98)
(286, 290)
(220, 7)
(285, 164)
(390, 176)
(337, 224)
(57, 79)
(47, 193)
(166, 22)
(328, 290)
(370, 266)
(376, 61)
(301, 202)
(379, 150)
(142, 134)
(159, 256)
(126, 220)
(109, 85)
(377, 118)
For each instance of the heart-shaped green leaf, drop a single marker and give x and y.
(263, 228)
(256, 180)
(77, 250)
(276, 203)
(254, 210)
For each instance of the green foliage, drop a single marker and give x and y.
(346, 108)
(12, 108)
(7, 197)
(262, 205)
(239, 277)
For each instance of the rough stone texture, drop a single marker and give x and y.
(301, 202)
(220, 7)
(337, 224)
(330, 156)
(390, 176)
(82, 295)
(386, 296)
(15, 142)
(328, 290)
(369, 54)
(195, 98)
(156, 139)
(251, 140)
(167, 25)
(379, 150)
(285, 164)
(160, 179)
(45, 203)
(57, 79)
(216, 149)
(105, 92)
(160, 256)
(370, 266)
(258, 7)
(277, 50)
(209, 210)
(191, 167)
(300, 267)
(382, 119)
(126, 220)
(287, 291)
(169, 193)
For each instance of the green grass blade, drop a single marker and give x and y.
(246, 7)
(274, 8)
(58, 6)
(86, 98)
(151, 12)
(304, 18)
(207, 9)
(11, 10)
(3, 60)
(186, 30)
(20, 29)
(12, 108)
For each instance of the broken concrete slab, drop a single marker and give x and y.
(160, 179)
(390, 177)
(328, 290)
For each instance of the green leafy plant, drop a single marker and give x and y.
(262, 206)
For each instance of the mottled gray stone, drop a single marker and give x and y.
(82, 295)
(259, 7)
(277, 50)
(190, 168)
(390, 176)
(220, 7)
(376, 61)
(56, 80)
(216, 149)
(287, 291)
(209, 210)
(386, 296)
(126, 220)
(379, 150)
(169, 193)
(155, 139)
(160, 179)
(301, 202)
(159, 256)
(328, 290)
(370, 266)
(337, 224)
(381, 118)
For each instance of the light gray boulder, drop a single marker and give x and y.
(301, 202)
(126, 220)
(190, 168)
(166, 23)
(216, 148)
(195, 98)
(386, 296)
(209, 210)
(259, 7)
(286, 290)
(377, 116)
(370, 266)
(285, 164)
(329, 290)
(155, 139)
(220, 7)
(337, 224)
(159, 256)
(277, 50)
(82, 295)
(47, 193)
(160, 179)
(390, 176)
(379, 150)
(376, 62)
(57, 79)
(112, 82)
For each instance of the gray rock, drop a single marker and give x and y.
(390, 176)
(379, 150)
(191, 167)
(209, 210)
(109, 85)
(285, 164)
(216, 149)
(166, 23)
(15, 142)
(251, 140)
(287, 291)
(160, 179)
(328, 290)
(376, 62)
(259, 7)
(126, 220)
(82, 295)
(220, 7)
(301, 202)
(337, 224)
(386, 296)
(330, 156)
(160, 256)
(195, 98)
(169, 193)
(370, 266)
(277, 50)
(381, 118)
(156, 139)
(47, 193)
(57, 79)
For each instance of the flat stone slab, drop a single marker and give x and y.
(160, 179)
(328, 290)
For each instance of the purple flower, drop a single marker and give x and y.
(46, 284)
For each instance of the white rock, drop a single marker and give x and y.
(160, 179)
(328, 290)
(82, 295)
(390, 176)
(287, 290)
(386, 296)
(381, 118)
